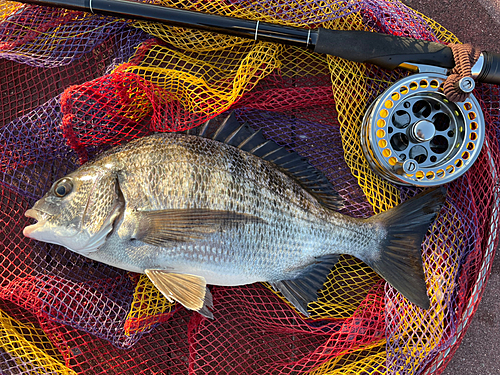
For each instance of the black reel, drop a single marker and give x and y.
(413, 135)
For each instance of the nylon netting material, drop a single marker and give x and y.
(73, 84)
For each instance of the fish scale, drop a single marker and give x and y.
(190, 211)
(259, 245)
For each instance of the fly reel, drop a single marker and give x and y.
(413, 135)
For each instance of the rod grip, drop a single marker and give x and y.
(387, 51)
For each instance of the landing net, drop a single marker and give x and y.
(73, 84)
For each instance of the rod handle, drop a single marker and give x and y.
(387, 51)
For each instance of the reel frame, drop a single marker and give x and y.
(412, 135)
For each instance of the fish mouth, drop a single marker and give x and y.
(39, 216)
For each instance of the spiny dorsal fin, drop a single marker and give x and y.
(302, 290)
(233, 133)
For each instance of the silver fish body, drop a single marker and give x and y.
(187, 205)
(185, 172)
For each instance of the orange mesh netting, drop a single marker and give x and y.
(73, 84)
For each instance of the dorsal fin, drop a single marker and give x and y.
(232, 132)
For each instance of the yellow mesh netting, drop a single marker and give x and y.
(148, 302)
(370, 357)
(281, 12)
(30, 349)
(220, 78)
(349, 82)
(206, 74)
(7, 8)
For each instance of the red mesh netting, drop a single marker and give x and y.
(73, 84)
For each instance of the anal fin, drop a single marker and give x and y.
(303, 289)
(189, 290)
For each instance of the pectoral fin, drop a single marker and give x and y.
(189, 290)
(161, 228)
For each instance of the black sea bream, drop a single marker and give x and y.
(231, 209)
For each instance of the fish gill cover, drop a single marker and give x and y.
(73, 84)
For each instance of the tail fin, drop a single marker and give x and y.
(400, 260)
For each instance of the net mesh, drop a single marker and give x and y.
(73, 84)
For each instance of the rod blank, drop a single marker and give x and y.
(249, 29)
(387, 51)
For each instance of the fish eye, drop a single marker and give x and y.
(63, 187)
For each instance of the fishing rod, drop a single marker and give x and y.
(412, 134)
(386, 51)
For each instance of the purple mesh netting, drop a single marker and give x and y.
(83, 305)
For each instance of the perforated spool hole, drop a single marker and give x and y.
(381, 123)
(422, 109)
(434, 84)
(441, 121)
(401, 119)
(418, 153)
(399, 142)
(439, 144)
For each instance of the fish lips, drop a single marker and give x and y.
(41, 218)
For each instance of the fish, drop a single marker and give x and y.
(222, 205)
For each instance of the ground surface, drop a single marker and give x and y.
(476, 22)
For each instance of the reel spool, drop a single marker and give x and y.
(413, 135)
